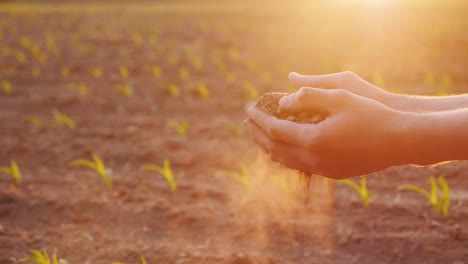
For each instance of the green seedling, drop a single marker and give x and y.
(173, 59)
(157, 72)
(13, 171)
(180, 127)
(143, 261)
(165, 171)
(361, 189)
(438, 196)
(6, 51)
(242, 176)
(78, 87)
(65, 72)
(196, 62)
(36, 72)
(251, 65)
(124, 72)
(184, 74)
(42, 258)
(229, 77)
(20, 57)
(252, 93)
(97, 165)
(173, 90)
(137, 38)
(6, 87)
(62, 119)
(126, 90)
(96, 72)
(35, 121)
(203, 91)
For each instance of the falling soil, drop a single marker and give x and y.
(269, 103)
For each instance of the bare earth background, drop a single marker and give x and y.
(421, 49)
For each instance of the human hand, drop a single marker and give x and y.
(345, 80)
(359, 135)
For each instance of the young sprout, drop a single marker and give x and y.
(173, 59)
(157, 72)
(42, 258)
(124, 72)
(184, 74)
(6, 87)
(35, 121)
(65, 72)
(251, 65)
(202, 90)
(196, 62)
(229, 77)
(96, 72)
(26, 43)
(62, 119)
(361, 189)
(438, 196)
(78, 87)
(36, 72)
(137, 38)
(242, 177)
(13, 171)
(97, 165)
(20, 56)
(126, 90)
(173, 90)
(143, 261)
(252, 93)
(6, 51)
(234, 54)
(165, 171)
(180, 127)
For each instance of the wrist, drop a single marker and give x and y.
(429, 138)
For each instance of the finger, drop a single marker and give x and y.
(314, 99)
(330, 81)
(291, 156)
(282, 130)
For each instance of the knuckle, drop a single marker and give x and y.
(346, 77)
(341, 95)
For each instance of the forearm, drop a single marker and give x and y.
(430, 138)
(422, 104)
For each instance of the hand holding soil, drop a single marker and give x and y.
(340, 134)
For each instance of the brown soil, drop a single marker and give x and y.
(211, 218)
(269, 103)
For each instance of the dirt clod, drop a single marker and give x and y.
(269, 103)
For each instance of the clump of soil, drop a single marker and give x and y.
(269, 103)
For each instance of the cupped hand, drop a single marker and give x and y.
(359, 136)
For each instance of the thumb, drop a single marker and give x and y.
(314, 99)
